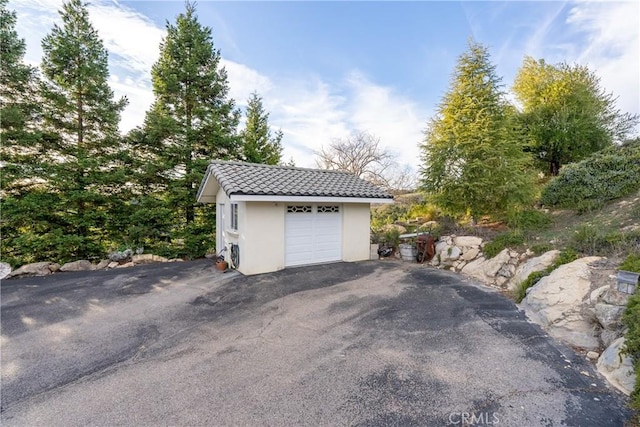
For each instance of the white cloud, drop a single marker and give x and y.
(132, 39)
(396, 119)
(612, 48)
(244, 80)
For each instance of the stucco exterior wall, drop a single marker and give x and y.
(262, 238)
(356, 231)
(261, 233)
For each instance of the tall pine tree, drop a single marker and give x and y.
(258, 145)
(18, 97)
(66, 213)
(474, 161)
(20, 139)
(191, 122)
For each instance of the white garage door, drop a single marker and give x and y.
(313, 234)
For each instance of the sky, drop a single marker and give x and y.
(328, 69)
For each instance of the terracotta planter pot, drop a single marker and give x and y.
(222, 265)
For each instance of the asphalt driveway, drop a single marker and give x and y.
(372, 343)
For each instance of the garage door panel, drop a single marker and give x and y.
(313, 234)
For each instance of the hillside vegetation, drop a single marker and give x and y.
(591, 208)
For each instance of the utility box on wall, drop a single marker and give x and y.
(627, 281)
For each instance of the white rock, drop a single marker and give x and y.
(450, 253)
(617, 368)
(5, 269)
(607, 336)
(539, 263)
(468, 241)
(507, 271)
(147, 259)
(475, 269)
(470, 254)
(103, 264)
(33, 269)
(593, 355)
(459, 265)
(609, 315)
(126, 264)
(493, 265)
(614, 297)
(440, 246)
(597, 294)
(81, 265)
(556, 303)
(113, 264)
(500, 281)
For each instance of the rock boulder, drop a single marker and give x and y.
(557, 304)
(495, 271)
(617, 368)
(35, 269)
(5, 269)
(467, 241)
(81, 265)
(148, 259)
(536, 264)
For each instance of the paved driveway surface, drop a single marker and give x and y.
(373, 343)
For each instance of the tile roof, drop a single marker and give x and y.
(257, 179)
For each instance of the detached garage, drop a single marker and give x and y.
(272, 217)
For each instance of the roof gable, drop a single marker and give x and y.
(251, 179)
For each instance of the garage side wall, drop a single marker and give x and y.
(262, 242)
(356, 231)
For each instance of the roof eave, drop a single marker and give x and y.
(208, 197)
(306, 199)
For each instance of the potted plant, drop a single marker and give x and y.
(221, 264)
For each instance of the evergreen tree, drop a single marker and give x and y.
(566, 114)
(191, 122)
(19, 136)
(474, 161)
(258, 146)
(18, 98)
(72, 195)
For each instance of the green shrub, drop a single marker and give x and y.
(631, 263)
(540, 248)
(501, 241)
(391, 238)
(531, 280)
(530, 219)
(631, 319)
(593, 240)
(588, 184)
(565, 257)
(423, 210)
(387, 214)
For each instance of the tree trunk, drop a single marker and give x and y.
(554, 167)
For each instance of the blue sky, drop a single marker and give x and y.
(326, 69)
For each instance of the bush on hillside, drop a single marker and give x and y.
(588, 184)
(528, 219)
(593, 240)
(631, 263)
(631, 319)
(509, 239)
